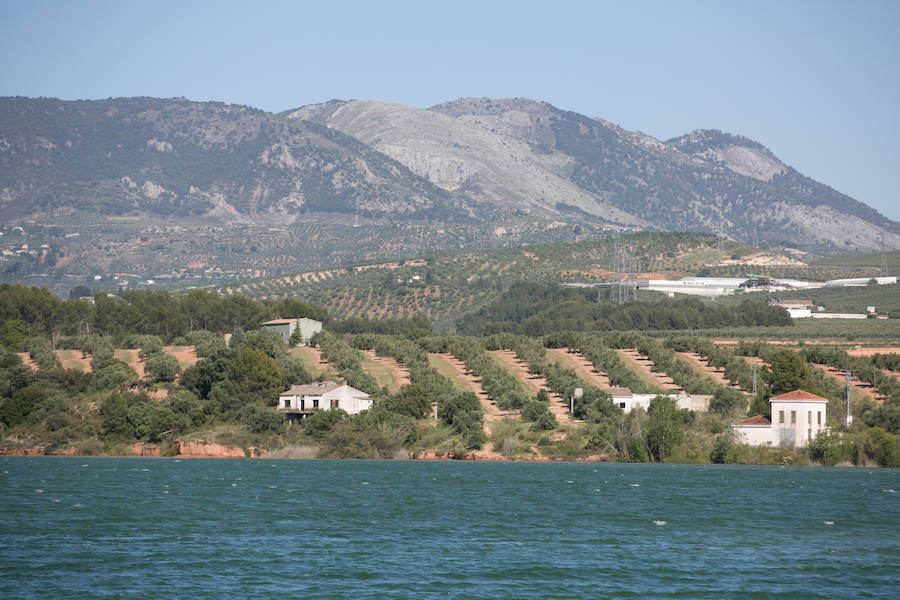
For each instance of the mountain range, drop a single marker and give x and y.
(470, 160)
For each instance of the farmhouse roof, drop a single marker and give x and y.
(313, 389)
(280, 321)
(619, 392)
(756, 420)
(798, 396)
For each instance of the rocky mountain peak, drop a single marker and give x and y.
(735, 152)
(318, 113)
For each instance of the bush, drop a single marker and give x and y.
(162, 367)
(262, 419)
(721, 448)
(319, 424)
(16, 410)
(412, 400)
(825, 448)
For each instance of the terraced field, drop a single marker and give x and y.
(571, 359)
(644, 368)
(444, 286)
(312, 359)
(81, 361)
(386, 371)
(860, 387)
(558, 405)
(702, 366)
(492, 413)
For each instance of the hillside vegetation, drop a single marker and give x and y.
(228, 395)
(444, 286)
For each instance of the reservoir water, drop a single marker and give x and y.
(168, 528)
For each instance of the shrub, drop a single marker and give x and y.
(162, 367)
(262, 419)
(319, 424)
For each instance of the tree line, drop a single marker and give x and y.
(538, 309)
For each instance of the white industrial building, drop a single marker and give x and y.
(860, 281)
(304, 400)
(797, 418)
(703, 286)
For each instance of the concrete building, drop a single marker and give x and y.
(861, 281)
(628, 401)
(797, 418)
(304, 400)
(286, 327)
(701, 286)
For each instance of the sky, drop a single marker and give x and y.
(817, 82)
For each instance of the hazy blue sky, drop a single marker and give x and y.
(817, 82)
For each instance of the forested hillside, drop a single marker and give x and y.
(152, 370)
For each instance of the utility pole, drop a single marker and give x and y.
(754, 380)
(849, 417)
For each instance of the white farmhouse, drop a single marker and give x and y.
(628, 401)
(303, 400)
(797, 418)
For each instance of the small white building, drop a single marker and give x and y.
(627, 401)
(286, 327)
(797, 418)
(303, 400)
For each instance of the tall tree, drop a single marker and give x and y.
(787, 372)
(665, 429)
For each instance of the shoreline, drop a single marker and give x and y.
(255, 454)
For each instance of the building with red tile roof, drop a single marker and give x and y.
(797, 418)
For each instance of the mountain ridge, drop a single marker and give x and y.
(471, 159)
(704, 181)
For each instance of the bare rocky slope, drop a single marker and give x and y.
(517, 152)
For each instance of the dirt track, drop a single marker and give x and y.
(871, 351)
(399, 373)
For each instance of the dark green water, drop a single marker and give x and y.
(164, 528)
